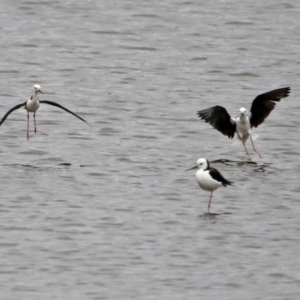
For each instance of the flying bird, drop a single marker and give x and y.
(261, 107)
(33, 104)
(208, 178)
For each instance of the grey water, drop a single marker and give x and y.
(108, 211)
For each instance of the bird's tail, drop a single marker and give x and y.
(227, 182)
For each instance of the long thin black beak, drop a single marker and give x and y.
(41, 92)
(192, 168)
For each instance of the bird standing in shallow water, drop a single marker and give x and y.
(33, 104)
(262, 105)
(209, 179)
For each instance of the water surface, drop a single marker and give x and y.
(108, 211)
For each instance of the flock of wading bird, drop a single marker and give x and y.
(208, 178)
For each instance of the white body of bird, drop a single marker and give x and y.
(206, 182)
(33, 104)
(243, 126)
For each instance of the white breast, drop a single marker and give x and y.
(243, 129)
(32, 105)
(206, 182)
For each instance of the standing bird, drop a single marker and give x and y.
(209, 179)
(33, 104)
(262, 105)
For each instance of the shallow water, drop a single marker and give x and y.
(108, 211)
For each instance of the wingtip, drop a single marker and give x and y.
(203, 114)
(287, 90)
(199, 114)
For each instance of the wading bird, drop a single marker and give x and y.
(33, 104)
(209, 179)
(262, 105)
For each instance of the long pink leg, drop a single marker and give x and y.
(27, 125)
(253, 147)
(34, 123)
(246, 150)
(209, 202)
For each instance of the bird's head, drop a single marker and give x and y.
(37, 89)
(202, 164)
(243, 110)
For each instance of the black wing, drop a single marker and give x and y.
(60, 106)
(11, 110)
(216, 175)
(219, 118)
(262, 105)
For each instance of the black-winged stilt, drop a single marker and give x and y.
(33, 104)
(261, 107)
(208, 178)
